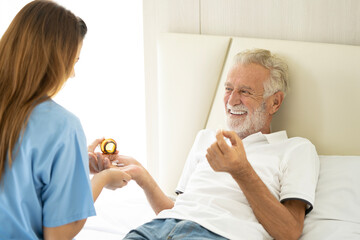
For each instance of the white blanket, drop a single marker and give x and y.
(117, 212)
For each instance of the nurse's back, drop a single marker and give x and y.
(34, 187)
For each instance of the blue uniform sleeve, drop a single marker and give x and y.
(67, 194)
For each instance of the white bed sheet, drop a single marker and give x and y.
(117, 212)
(336, 213)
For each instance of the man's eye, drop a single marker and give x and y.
(228, 89)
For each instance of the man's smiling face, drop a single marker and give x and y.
(246, 110)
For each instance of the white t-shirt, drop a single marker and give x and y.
(288, 167)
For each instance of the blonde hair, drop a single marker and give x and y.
(37, 55)
(279, 77)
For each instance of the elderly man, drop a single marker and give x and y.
(246, 183)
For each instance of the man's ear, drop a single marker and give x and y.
(276, 101)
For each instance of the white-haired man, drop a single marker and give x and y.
(246, 183)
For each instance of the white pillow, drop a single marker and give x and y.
(330, 230)
(337, 200)
(338, 190)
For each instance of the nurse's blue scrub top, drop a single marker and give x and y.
(48, 183)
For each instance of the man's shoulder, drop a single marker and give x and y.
(299, 141)
(206, 133)
(205, 138)
(300, 146)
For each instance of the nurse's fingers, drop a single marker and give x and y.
(94, 144)
(93, 165)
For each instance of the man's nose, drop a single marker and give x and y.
(235, 98)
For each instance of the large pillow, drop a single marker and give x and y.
(336, 213)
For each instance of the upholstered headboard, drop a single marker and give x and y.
(322, 104)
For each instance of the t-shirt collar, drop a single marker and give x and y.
(270, 138)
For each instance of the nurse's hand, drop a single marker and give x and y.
(116, 178)
(97, 160)
(111, 178)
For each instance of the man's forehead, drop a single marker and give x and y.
(247, 75)
(253, 69)
(230, 84)
(243, 83)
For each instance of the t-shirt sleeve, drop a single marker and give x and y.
(300, 171)
(67, 194)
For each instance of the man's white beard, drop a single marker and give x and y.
(251, 124)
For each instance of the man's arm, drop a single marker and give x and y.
(155, 196)
(281, 221)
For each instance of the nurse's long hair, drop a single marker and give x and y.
(37, 56)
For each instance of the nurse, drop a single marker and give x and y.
(45, 190)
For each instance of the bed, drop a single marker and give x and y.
(322, 105)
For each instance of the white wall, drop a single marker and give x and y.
(107, 93)
(330, 21)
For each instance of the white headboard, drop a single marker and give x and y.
(322, 104)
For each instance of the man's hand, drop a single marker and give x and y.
(132, 167)
(225, 158)
(156, 197)
(100, 161)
